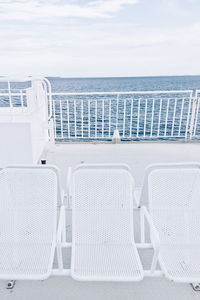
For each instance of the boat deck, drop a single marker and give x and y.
(137, 156)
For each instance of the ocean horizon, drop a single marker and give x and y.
(140, 83)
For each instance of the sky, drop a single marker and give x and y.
(99, 38)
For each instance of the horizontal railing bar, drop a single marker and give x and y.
(120, 93)
(14, 89)
(110, 100)
(128, 137)
(22, 79)
(12, 94)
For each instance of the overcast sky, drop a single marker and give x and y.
(86, 38)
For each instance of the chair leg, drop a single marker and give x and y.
(196, 286)
(10, 284)
(64, 227)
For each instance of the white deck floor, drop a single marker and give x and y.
(138, 156)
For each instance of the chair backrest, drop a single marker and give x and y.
(174, 203)
(102, 202)
(55, 171)
(28, 200)
(144, 199)
(174, 189)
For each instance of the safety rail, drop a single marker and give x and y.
(146, 115)
(196, 116)
(107, 116)
(18, 94)
(25, 115)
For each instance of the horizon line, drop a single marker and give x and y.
(97, 77)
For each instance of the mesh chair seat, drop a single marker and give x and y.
(28, 217)
(103, 246)
(174, 204)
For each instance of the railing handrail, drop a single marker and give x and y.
(10, 92)
(22, 79)
(121, 93)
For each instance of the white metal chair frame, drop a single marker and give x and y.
(143, 199)
(60, 235)
(144, 219)
(147, 226)
(146, 223)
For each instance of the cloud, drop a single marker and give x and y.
(37, 9)
(182, 8)
(83, 37)
(110, 6)
(100, 50)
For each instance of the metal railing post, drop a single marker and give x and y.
(193, 115)
(116, 137)
(51, 131)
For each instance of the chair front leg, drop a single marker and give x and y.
(60, 237)
(153, 236)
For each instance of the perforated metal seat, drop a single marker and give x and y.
(174, 204)
(28, 221)
(103, 246)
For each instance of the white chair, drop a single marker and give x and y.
(173, 194)
(103, 246)
(29, 196)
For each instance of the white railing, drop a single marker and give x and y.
(19, 94)
(28, 100)
(195, 131)
(150, 115)
(98, 116)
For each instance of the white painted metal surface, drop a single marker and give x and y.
(25, 113)
(103, 246)
(148, 115)
(25, 99)
(15, 144)
(28, 209)
(132, 152)
(173, 196)
(138, 156)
